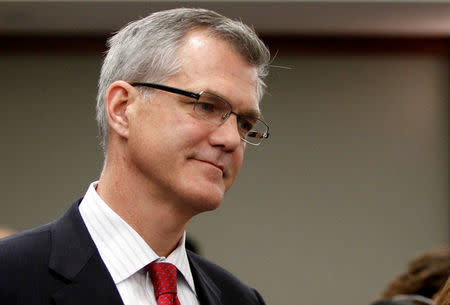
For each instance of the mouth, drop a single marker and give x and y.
(218, 166)
(214, 164)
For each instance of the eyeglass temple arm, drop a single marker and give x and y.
(168, 89)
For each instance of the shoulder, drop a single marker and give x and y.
(23, 252)
(30, 250)
(23, 262)
(25, 246)
(231, 287)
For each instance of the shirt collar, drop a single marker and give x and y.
(122, 249)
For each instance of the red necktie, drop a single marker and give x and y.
(164, 279)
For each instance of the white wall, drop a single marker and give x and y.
(352, 184)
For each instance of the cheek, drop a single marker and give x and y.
(167, 126)
(239, 157)
(236, 163)
(191, 129)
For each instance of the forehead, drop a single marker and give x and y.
(211, 64)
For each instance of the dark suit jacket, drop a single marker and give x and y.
(58, 263)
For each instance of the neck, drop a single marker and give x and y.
(153, 217)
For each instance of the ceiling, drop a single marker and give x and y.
(361, 18)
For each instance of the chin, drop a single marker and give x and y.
(203, 195)
(206, 200)
(209, 203)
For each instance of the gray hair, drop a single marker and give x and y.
(146, 50)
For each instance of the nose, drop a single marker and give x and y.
(226, 135)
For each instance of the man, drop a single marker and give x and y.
(177, 105)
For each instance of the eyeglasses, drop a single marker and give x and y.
(216, 110)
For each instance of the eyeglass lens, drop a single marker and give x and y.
(216, 110)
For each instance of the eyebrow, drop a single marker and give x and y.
(252, 113)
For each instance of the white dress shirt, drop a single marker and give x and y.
(125, 254)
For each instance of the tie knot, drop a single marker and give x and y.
(164, 278)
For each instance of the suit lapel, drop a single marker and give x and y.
(76, 259)
(207, 292)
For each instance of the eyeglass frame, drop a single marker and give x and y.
(197, 96)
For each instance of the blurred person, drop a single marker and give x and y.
(178, 103)
(192, 245)
(4, 232)
(443, 296)
(419, 283)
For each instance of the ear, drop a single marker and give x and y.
(118, 97)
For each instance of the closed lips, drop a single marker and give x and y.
(214, 164)
(219, 166)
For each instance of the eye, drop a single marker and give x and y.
(206, 107)
(246, 124)
(255, 134)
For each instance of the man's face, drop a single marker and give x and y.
(177, 156)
